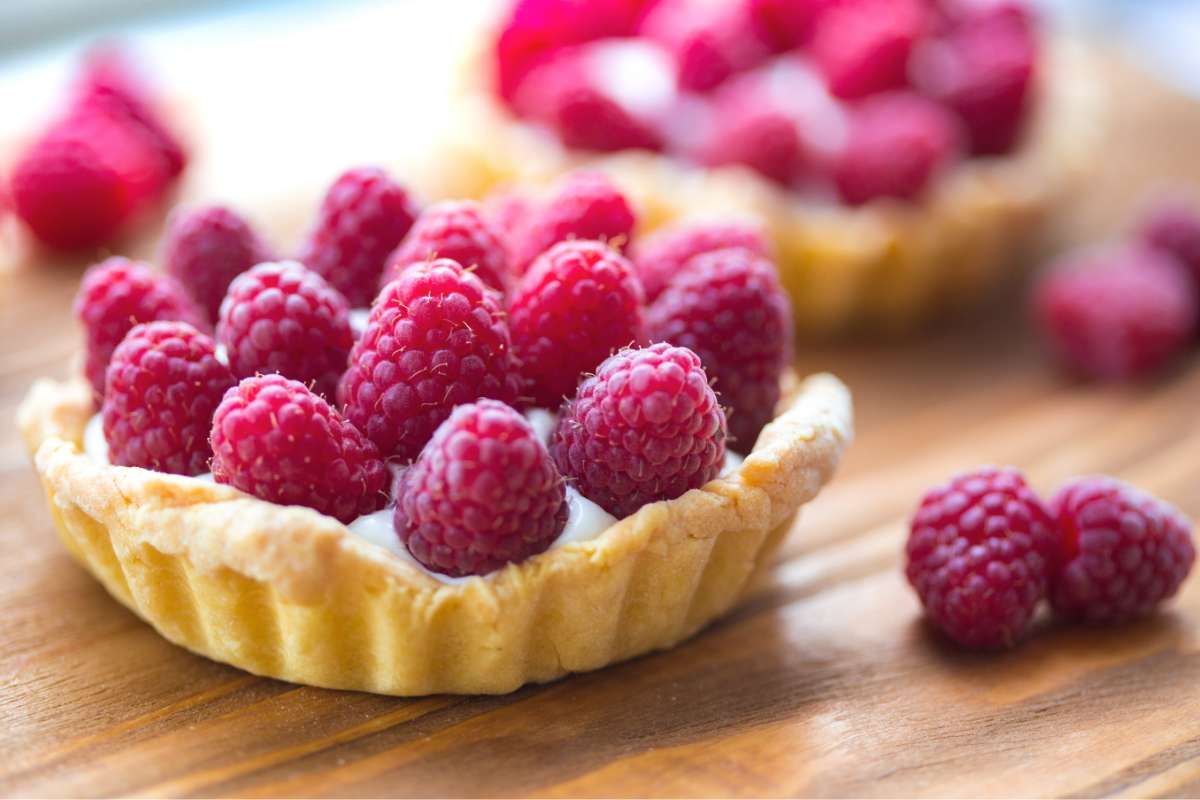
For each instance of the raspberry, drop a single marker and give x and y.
(1172, 227)
(285, 318)
(985, 71)
(276, 440)
(646, 427)
(437, 337)
(364, 216)
(579, 93)
(1118, 314)
(660, 258)
(863, 46)
(461, 232)
(762, 138)
(980, 553)
(727, 306)
(82, 181)
(112, 80)
(898, 144)
(163, 384)
(483, 493)
(117, 294)
(788, 24)
(507, 211)
(586, 206)
(709, 41)
(1124, 552)
(577, 304)
(536, 28)
(206, 248)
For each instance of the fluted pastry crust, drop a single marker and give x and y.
(289, 593)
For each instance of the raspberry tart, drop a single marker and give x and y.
(507, 473)
(900, 152)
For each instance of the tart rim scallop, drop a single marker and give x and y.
(285, 592)
(887, 265)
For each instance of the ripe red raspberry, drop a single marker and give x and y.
(276, 440)
(646, 427)
(507, 211)
(1124, 552)
(661, 257)
(788, 24)
(986, 72)
(163, 384)
(437, 337)
(1172, 227)
(863, 46)
(709, 41)
(285, 318)
(1116, 315)
(79, 184)
(898, 145)
(206, 248)
(459, 231)
(534, 29)
(980, 553)
(483, 493)
(577, 304)
(364, 216)
(586, 206)
(117, 294)
(728, 307)
(763, 138)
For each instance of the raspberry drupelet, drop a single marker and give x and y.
(276, 440)
(980, 554)
(117, 294)
(363, 217)
(577, 304)
(646, 427)
(586, 206)
(484, 492)
(163, 384)
(730, 309)
(206, 248)
(457, 230)
(285, 318)
(1124, 552)
(436, 337)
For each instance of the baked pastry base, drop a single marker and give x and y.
(285, 592)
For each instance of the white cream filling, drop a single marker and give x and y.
(585, 519)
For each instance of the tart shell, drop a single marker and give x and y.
(286, 592)
(885, 266)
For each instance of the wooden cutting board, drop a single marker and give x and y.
(824, 683)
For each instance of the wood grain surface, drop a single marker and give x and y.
(826, 682)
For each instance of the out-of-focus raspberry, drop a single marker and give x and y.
(586, 206)
(1172, 227)
(708, 41)
(788, 24)
(863, 46)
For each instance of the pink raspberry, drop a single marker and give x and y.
(1172, 227)
(661, 257)
(507, 211)
(788, 24)
(898, 145)
(483, 493)
(863, 46)
(163, 384)
(534, 29)
(459, 231)
(709, 41)
(1124, 552)
(117, 294)
(364, 216)
(986, 72)
(579, 95)
(577, 304)
(83, 180)
(586, 206)
(206, 248)
(285, 318)
(980, 553)
(728, 307)
(276, 440)
(437, 337)
(646, 427)
(764, 139)
(1116, 315)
